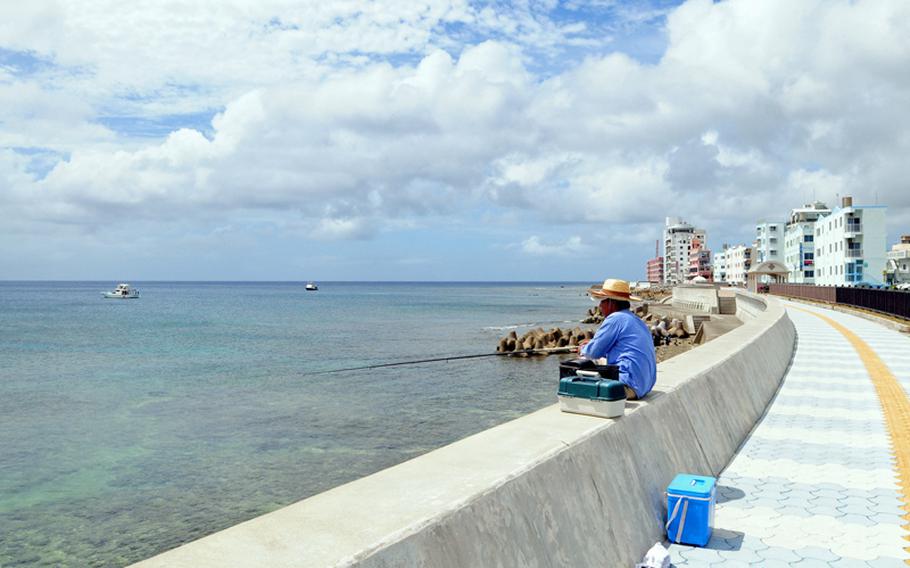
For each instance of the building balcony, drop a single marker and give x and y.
(853, 253)
(853, 228)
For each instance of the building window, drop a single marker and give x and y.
(809, 273)
(808, 238)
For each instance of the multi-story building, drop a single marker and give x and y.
(720, 264)
(850, 245)
(656, 270)
(678, 237)
(699, 260)
(769, 241)
(738, 261)
(897, 267)
(799, 242)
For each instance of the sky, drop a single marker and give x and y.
(433, 139)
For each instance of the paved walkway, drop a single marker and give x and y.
(816, 483)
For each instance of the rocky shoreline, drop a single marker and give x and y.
(668, 333)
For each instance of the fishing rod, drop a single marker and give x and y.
(547, 351)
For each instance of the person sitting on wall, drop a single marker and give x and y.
(623, 338)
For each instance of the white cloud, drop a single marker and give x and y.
(812, 185)
(331, 229)
(570, 247)
(753, 106)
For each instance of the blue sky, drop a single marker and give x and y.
(437, 140)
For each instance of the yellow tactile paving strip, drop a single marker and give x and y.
(895, 405)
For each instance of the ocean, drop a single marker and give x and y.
(128, 427)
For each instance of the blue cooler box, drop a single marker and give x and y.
(690, 509)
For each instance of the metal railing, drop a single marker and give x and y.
(893, 302)
(854, 253)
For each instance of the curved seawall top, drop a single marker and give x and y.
(546, 489)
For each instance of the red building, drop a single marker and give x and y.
(700, 261)
(656, 270)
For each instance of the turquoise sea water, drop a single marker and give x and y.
(128, 427)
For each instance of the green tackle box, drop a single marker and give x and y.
(591, 387)
(593, 396)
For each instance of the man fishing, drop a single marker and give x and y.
(623, 339)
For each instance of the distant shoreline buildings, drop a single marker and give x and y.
(655, 267)
(769, 241)
(799, 242)
(844, 246)
(897, 267)
(678, 236)
(850, 245)
(732, 264)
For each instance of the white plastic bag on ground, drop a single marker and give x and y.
(657, 557)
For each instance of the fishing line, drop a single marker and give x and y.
(552, 350)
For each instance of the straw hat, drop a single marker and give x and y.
(613, 289)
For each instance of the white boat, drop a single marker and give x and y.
(123, 292)
(310, 286)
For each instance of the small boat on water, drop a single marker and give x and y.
(311, 287)
(122, 292)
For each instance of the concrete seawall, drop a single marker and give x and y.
(547, 489)
(701, 297)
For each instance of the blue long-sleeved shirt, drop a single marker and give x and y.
(626, 341)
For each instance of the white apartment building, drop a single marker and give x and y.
(898, 264)
(738, 261)
(720, 264)
(850, 245)
(799, 242)
(678, 237)
(769, 241)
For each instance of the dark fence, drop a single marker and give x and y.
(892, 302)
(821, 293)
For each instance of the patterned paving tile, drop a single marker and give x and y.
(815, 484)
